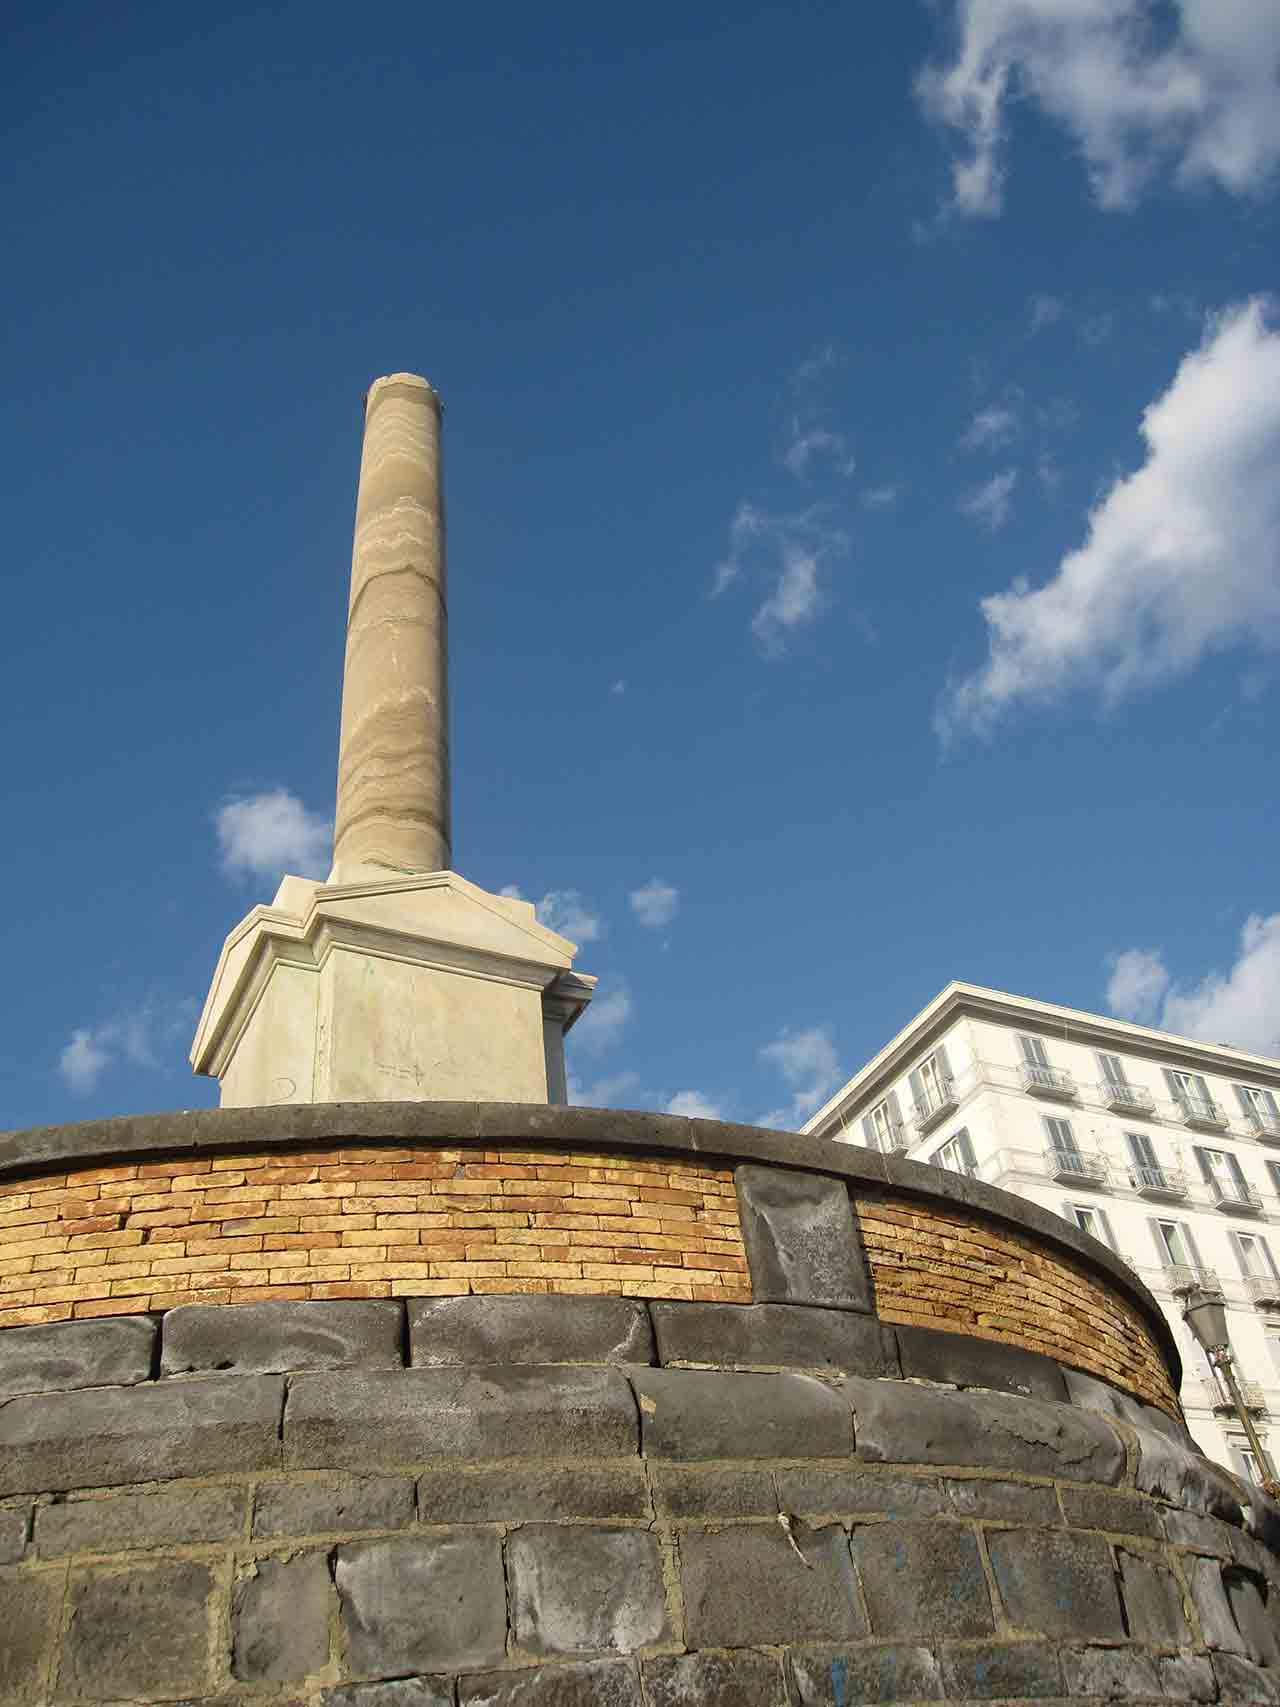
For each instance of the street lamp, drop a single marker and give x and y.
(1206, 1315)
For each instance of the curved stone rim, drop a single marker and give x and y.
(128, 1138)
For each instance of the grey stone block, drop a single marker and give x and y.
(1112, 1674)
(1091, 1394)
(772, 1336)
(1174, 1473)
(803, 1245)
(1119, 1514)
(368, 1419)
(1247, 1596)
(1187, 1677)
(746, 1585)
(422, 1603)
(1240, 1680)
(962, 1360)
(403, 1692)
(280, 1619)
(1152, 1601)
(681, 1493)
(171, 1518)
(1057, 1584)
(839, 1677)
(15, 1527)
(29, 1605)
(529, 1496)
(1028, 1669)
(858, 1492)
(691, 1415)
(897, 1423)
(1209, 1597)
(599, 1683)
(142, 1632)
(550, 1329)
(1205, 1534)
(60, 1356)
(263, 1339)
(583, 1591)
(741, 1679)
(113, 1435)
(339, 1504)
(922, 1579)
(1015, 1502)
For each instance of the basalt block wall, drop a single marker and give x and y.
(404, 1405)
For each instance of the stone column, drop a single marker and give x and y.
(393, 757)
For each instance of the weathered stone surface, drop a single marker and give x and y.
(1240, 1680)
(580, 1591)
(1205, 1534)
(975, 1496)
(898, 1423)
(740, 1679)
(520, 1495)
(143, 1632)
(599, 1683)
(280, 1619)
(1090, 1394)
(1112, 1674)
(368, 1419)
(1209, 1597)
(803, 1245)
(850, 1492)
(15, 1527)
(550, 1329)
(839, 1677)
(772, 1336)
(691, 1415)
(112, 1435)
(262, 1339)
(712, 1493)
(340, 1503)
(929, 1355)
(1153, 1602)
(1002, 1670)
(1174, 1473)
(1120, 1514)
(747, 1585)
(1250, 1605)
(1057, 1584)
(1187, 1677)
(403, 1692)
(28, 1616)
(60, 1356)
(422, 1603)
(922, 1579)
(172, 1517)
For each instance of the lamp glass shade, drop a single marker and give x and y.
(1207, 1318)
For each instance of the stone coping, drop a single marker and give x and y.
(132, 1138)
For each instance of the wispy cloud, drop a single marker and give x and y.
(694, 1106)
(807, 445)
(655, 903)
(564, 910)
(1180, 557)
(618, 687)
(1240, 1006)
(142, 1036)
(269, 834)
(1044, 311)
(1137, 985)
(607, 1092)
(992, 427)
(810, 1067)
(605, 1020)
(880, 497)
(792, 549)
(990, 505)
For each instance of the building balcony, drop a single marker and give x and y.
(1163, 1185)
(897, 1142)
(1264, 1126)
(1076, 1167)
(935, 1107)
(1235, 1197)
(1263, 1290)
(1045, 1081)
(1251, 1394)
(1126, 1099)
(1202, 1112)
(1181, 1277)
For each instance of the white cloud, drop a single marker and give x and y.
(570, 913)
(991, 503)
(601, 1093)
(880, 497)
(1045, 310)
(266, 835)
(990, 428)
(1138, 982)
(794, 547)
(792, 603)
(83, 1061)
(1240, 1007)
(655, 903)
(1189, 88)
(142, 1036)
(816, 444)
(619, 687)
(1180, 558)
(1047, 472)
(810, 1068)
(605, 1020)
(694, 1106)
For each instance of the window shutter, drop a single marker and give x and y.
(1246, 1101)
(1175, 1089)
(1201, 1086)
(1271, 1261)
(1273, 1168)
(1238, 1247)
(1105, 1219)
(1206, 1167)
(917, 1088)
(966, 1148)
(1269, 1099)
(895, 1110)
(869, 1132)
(1192, 1252)
(1157, 1238)
(944, 1064)
(1237, 1174)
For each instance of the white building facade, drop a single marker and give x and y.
(1165, 1149)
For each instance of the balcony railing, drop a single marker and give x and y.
(1263, 1289)
(1235, 1194)
(1166, 1184)
(1126, 1099)
(1183, 1278)
(1076, 1167)
(1264, 1124)
(1045, 1081)
(935, 1106)
(894, 1142)
(1251, 1393)
(1202, 1111)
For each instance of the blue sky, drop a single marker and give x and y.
(863, 440)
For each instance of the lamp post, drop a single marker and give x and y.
(1206, 1316)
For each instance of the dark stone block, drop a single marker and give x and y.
(112, 1435)
(599, 1683)
(29, 1606)
(1240, 1680)
(530, 1496)
(741, 1679)
(858, 1492)
(1209, 1597)
(1057, 1584)
(176, 1517)
(422, 1603)
(772, 1336)
(1153, 1602)
(60, 1356)
(280, 1619)
(712, 1493)
(1186, 1677)
(693, 1415)
(929, 1355)
(1179, 1475)
(1091, 1394)
(143, 1632)
(340, 1505)
(362, 1419)
(263, 1339)
(897, 1423)
(1248, 1598)
(747, 1585)
(15, 1527)
(580, 1591)
(839, 1677)
(1119, 1514)
(1205, 1534)
(922, 1579)
(403, 1692)
(1015, 1502)
(1112, 1674)
(803, 1245)
(550, 1329)
(1020, 1668)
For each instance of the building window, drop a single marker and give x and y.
(1223, 1175)
(1273, 1173)
(1033, 1050)
(882, 1128)
(1062, 1141)
(932, 1087)
(1246, 1464)
(1191, 1094)
(1113, 1071)
(1259, 1109)
(1254, 1256)
(1174, 1244)
(1091, 1221)
(1148, 1175)
(956, 1155)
